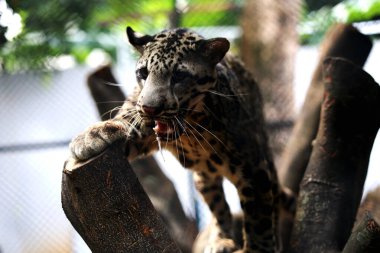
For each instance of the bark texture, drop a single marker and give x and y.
(106, 204)
(268, 48)
(341, 41)
(332, 187)
(365, 238)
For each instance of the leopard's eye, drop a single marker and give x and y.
(142, 73)
(179, 76)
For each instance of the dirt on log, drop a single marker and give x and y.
(332, 187)
(106, 204)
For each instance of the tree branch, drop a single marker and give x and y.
(106, 204)
(332, 187)
(365, 238)
(341, 41)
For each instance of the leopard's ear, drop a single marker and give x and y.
(138, 41)
(214, 50)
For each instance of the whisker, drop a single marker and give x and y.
(127, 113)
(176, 143)
(183, 152)
(115, 84)
(184, 130)
(226, 95)
(111, 111)
(167, 140)
(160, 148)
(130, 114)
(216, 137)
(133, 121)
(112, 101)
(179, 122)
(202, 137)
(190, 110)
(127, 116)
(187, 123)
(209, 111)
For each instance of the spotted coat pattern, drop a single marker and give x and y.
(202, 105)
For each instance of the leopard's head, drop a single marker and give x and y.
(175, 70)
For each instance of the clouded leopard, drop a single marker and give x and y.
(201, 104)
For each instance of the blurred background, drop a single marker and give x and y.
(48, 48)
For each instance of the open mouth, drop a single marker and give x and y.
(166, 130)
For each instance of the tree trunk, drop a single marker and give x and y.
(268, 49)
(341, 41)
(332, 187)
(106, 204)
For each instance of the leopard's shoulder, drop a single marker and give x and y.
(237, 97)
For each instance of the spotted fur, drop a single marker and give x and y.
(204, 107)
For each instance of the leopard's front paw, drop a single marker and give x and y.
(96, 139)
(221, 245)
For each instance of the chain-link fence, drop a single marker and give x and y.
(40, 114)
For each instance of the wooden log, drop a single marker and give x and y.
(332, 187)
(365, 238)
(341, 41)
(106, 204)
(156, 184)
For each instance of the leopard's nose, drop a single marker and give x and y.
(152, 111)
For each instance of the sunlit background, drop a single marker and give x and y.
(47, 49)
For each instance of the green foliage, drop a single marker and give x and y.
(314, 24)
(48, 28)
(52, 28)
(212, 13)
(367, 10)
